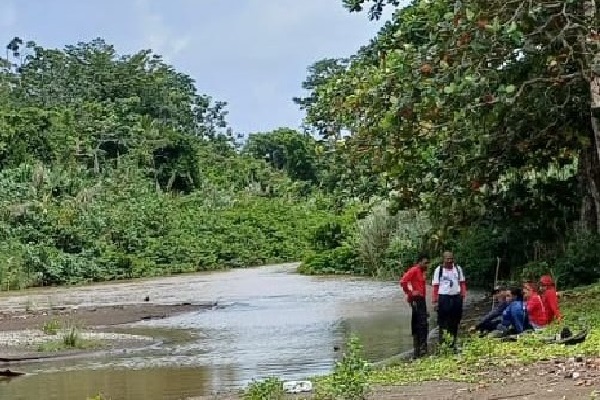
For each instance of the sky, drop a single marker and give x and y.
(253, 54)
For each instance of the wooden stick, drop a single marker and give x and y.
(496, 279)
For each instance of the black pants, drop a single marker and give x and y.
(488, 326)
(450, 309)
(419, 325)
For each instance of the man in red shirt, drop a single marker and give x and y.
(413, 284)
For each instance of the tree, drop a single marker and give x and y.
(287, 150)
(455, 102)
(111, 106)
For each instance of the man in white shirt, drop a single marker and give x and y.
(449, 292)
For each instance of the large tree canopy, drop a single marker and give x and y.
(476, 109)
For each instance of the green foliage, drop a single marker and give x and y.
(267, 389)
(580, 263)
(51, 327)
(343, 260)
(71, 337)
(439, 108)
(99, 396)
(482, 356)
(374, 235)
(117, 167)
(328, 235)
(350, 377)
(380, 244)
(287, 150)
(577, 265)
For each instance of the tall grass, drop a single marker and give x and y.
(387, 243)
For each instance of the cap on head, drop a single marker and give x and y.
(546, 280)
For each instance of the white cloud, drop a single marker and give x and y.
(157, 34)
(8, 16)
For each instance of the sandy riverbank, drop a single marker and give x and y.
(24, 339)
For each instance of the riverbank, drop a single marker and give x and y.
(68, 331)
(490, 369)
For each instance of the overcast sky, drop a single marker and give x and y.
(252, 54)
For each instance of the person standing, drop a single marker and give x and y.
(449, 291)
(414, 286)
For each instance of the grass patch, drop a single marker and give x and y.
(54, 346)
(580, 308)
(69, 339)
(51, 327)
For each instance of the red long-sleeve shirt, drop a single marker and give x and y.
(536, 310)
(550, 300)
(413, 280)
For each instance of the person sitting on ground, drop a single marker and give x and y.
(514, 317)
(536, 312)
(491, 320)
(550, 299)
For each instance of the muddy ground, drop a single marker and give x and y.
(22, 336)
(94, 316)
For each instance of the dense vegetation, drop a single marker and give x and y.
(467, 125)
(115, 166)
(479, 116)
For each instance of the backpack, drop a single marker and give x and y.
(458, 269)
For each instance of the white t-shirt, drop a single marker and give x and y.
(450, 280)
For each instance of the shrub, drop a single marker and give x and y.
(350, 377)
(341, 260)
(374, 235)
(51, 327)
(327, 236)
(267, 389)
(580, 263)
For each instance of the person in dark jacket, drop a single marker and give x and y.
(514, 317)
(491, 320)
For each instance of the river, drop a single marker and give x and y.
(269, 321)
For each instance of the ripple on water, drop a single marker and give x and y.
(269, 321)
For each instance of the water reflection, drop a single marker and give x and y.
(146, 384)
(274, 322)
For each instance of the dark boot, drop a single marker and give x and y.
(416, 347)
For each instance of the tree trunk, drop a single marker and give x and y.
(589, 169)
(590, 161)
(594, 154)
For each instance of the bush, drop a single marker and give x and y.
(476, 250)
(268, 389)
(350, 377)
(381, 244)
(327, 236)
(341, 260)
(374, 235)
(580, 263)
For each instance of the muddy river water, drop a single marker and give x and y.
(268, 321)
